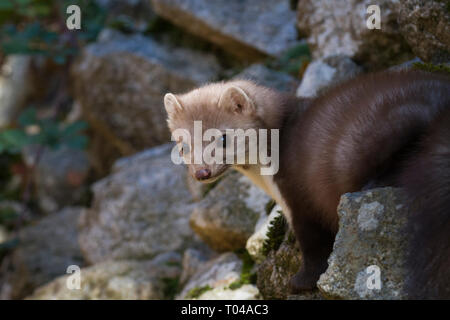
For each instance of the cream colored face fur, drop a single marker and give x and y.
(219, 105)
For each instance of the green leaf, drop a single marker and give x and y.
(296, 51)
(50, 133)
(40, 10)
(76, 142)
(25, 27)
(15, 138)
(59, 59)
(74, 127)
(15, 46)
(32, 30)
(7, 214)
(23, 2)
(6, 5)
(48, 36)
(28, 117)
(39, 138)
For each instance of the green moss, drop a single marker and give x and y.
(122, 23)
(7, 214)
(173, 264)
(247, 274)
(171, 287)
(275, 234)
(293, 61)
(197, 292)
(441, 68)
(235, 285)
(246, 278)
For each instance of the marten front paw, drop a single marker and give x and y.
(303, 281)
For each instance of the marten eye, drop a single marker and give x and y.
(223, 139)
(184, 150)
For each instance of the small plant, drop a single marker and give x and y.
(38, 27)
(7, 214)
(197, 292)
(171, 288)
(173, 264)
(275, 234)
(294, 61)
(442, 68)
(44, 132)
(247, 274)
(269, 206)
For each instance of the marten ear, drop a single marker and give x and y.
(172, 104)
(236, 100)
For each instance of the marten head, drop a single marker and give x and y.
(222, 108)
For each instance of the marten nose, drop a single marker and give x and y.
(203, 174)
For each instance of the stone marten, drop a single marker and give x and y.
(384, 129)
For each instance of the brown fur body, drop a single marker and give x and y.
(380, 130)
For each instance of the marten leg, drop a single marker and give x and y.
(316, 244)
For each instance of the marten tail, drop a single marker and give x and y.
(427, 182)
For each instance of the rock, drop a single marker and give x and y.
(131, 75)
(133, 15)
(197, 189)
(248, 29)
(269, 78)
(44, 251)
(281, 262)
(118, 280)
(227, 216)
(255, 243)
(276, 270)
(143, 156)
(60, 177)
(193, 260)
(246, 292)
(370, 234)
(339, 28)
(310, 295)
(139, 211)
(426, 27)
(219, 272)
(213, 280)
(323, 73)
(15, 86)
